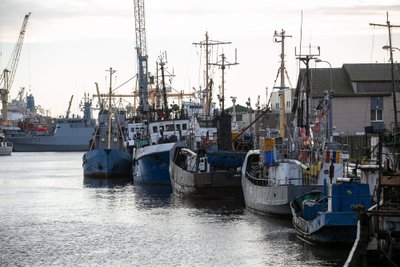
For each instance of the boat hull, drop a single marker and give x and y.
(212, 185)
(151, 164)
(107, 163)
(273, 200)
(328, 228)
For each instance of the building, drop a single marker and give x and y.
(362, 95)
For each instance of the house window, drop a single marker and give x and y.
(376, 109)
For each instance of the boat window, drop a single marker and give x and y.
(161, 128)
(184, 126)
(132, 130)
(155, 129)
(178, 127)
(170, 127)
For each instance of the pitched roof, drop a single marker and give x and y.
(370, 71)
(377, 75)
(238, 108)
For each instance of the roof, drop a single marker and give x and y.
(370, 79)
(238, 108)
(370, 71)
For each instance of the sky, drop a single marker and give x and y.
(69, 44)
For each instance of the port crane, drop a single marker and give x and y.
(141, 49)
(8, 74)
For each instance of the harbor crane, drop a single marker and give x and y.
(141, 49)
(8, 74)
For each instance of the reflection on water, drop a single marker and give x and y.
(106, 182)
(52, 215)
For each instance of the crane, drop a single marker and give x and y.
(69, 107)
(141, 49)
(8, 74)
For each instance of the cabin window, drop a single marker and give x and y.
(288, 104)
(161, 128)
(155, 129)
(184, 126)
(178, 127)
(169, 127)
(376, 109)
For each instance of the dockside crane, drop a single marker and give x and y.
(141, 49)
(8, 74)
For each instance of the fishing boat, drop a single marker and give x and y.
(207, 166)
(151, 151)
(294, 162)
(210, 172)
(154, 135)
(63, 134)
(108, 155)
(331, 216)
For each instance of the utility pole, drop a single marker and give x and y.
(223, 64)
(390, 26)
(305, 58)
(282, 87)
(207, 43)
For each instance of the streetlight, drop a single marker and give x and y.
(391, 48)
(386, 47)
(330, 108)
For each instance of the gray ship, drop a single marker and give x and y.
(64, 134)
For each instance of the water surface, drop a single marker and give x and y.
(52, 216)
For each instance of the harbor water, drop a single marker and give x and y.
(52, 216)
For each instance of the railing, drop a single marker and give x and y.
(272, 181)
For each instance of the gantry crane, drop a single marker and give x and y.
(141, 49)
(8, 74)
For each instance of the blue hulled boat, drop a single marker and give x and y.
(151, 145)
(330, 218)
(108, 155)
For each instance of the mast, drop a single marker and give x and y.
(282, 87)
(223, 64)
(208, 81)
(390, 26)
(305, 58)
(109, 109)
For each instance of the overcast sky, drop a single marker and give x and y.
(70, 43)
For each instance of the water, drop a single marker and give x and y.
(50, 218)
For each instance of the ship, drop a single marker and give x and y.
(150, 150)
(62, 134)
(294, 162)
(209, 169)
(331, 216)
(108, 155)
(207, 166)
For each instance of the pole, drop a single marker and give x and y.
(389, 26)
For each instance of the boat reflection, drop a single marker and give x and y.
(104, 182)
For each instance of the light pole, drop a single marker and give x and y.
(391, 48)
(330, 108)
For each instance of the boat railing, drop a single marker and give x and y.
(273, 181)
